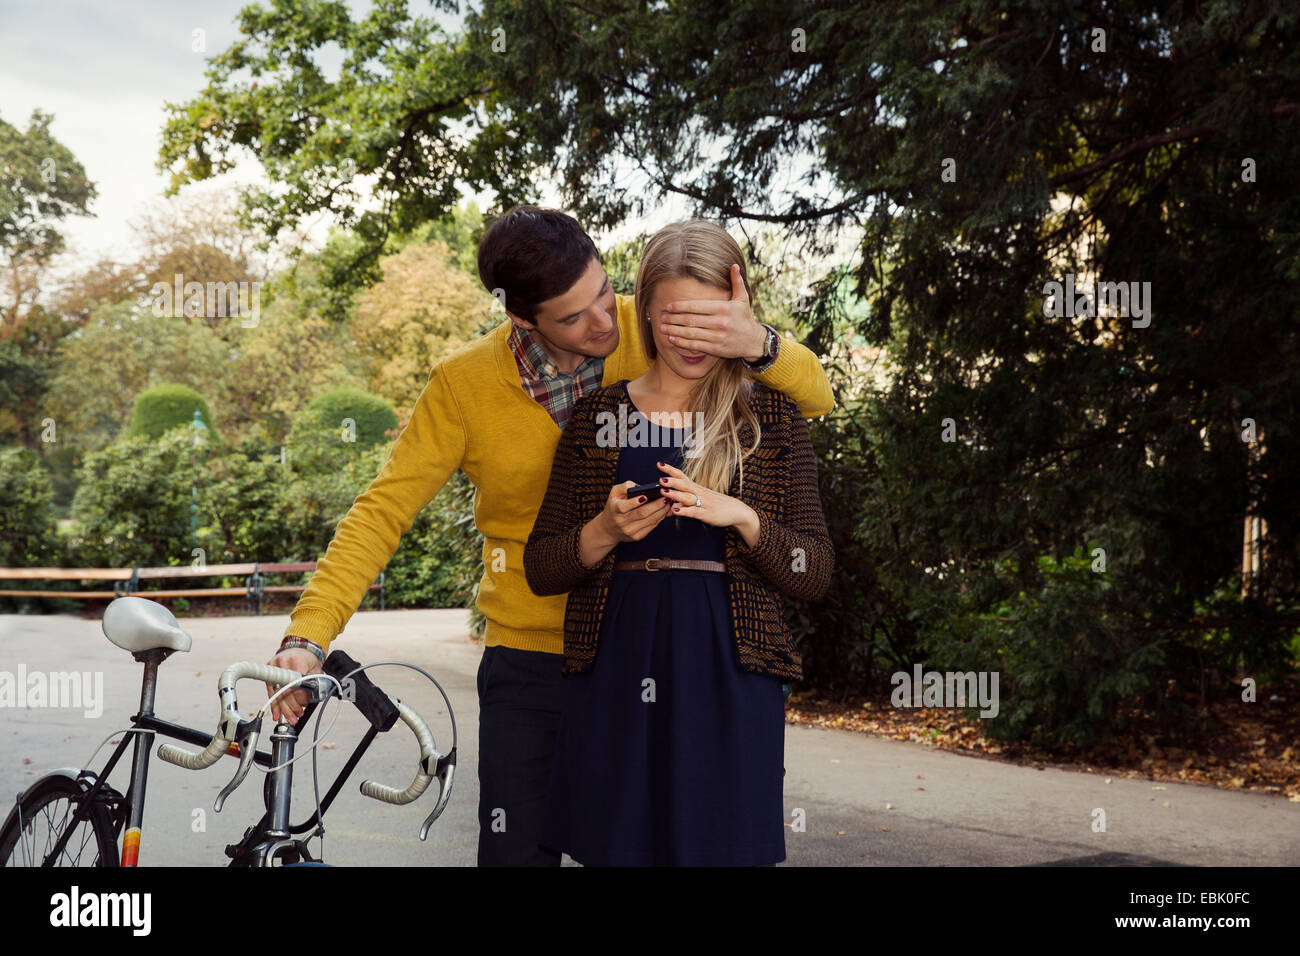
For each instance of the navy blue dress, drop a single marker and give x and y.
(668, 754)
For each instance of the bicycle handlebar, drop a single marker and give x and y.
(228, 729)
(428, 767)
(229, 719)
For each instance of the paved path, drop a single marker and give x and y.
(858, 796)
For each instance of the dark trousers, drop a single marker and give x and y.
(519, 698)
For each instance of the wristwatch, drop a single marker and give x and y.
(771, 346)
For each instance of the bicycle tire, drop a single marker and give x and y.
(44, 820)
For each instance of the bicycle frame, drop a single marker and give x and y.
(270, 836)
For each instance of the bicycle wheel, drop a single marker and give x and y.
(46, 811)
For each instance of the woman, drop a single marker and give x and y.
(670, 748)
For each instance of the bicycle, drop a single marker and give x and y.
(93, 814)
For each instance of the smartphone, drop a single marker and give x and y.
(651, 491)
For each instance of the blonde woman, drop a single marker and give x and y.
(671, 740)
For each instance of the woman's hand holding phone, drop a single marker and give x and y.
(623, 519)
(714, 508)
(631, 519)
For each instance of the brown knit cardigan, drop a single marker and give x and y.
(793, 552)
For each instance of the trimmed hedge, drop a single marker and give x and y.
(164, 407)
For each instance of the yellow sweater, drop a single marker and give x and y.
(475, 415)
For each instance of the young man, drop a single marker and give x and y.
(495, 409)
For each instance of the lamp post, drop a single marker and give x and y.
(199, 429)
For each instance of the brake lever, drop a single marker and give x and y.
(318, 689)
(247, 741)
(445, 768)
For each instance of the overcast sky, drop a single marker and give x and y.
(105, 71)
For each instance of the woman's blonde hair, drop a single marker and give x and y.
(697, 249)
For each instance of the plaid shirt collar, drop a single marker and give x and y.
(555, 391)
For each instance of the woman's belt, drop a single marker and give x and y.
(659, 564)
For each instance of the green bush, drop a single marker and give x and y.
(1071, 668)
(336, 431)
(28, 531)
(242, 504)
(371, 416)
(314, 501)
(164, 407)
(134, 508)
(134, 501)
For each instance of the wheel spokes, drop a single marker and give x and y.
(32, 847)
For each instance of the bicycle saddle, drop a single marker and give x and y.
(135, 624)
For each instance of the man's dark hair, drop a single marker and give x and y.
(533, 254)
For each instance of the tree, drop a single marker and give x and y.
(41, 183)
(460, 230)
(292, 355)
(423, 309)
(198, 238)
(329, 144)
(124, 350)
(22, 385)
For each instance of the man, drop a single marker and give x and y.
(495, 409)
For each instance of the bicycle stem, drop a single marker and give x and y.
(283, 738)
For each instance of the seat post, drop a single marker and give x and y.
(149, 685)
(140, 754)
